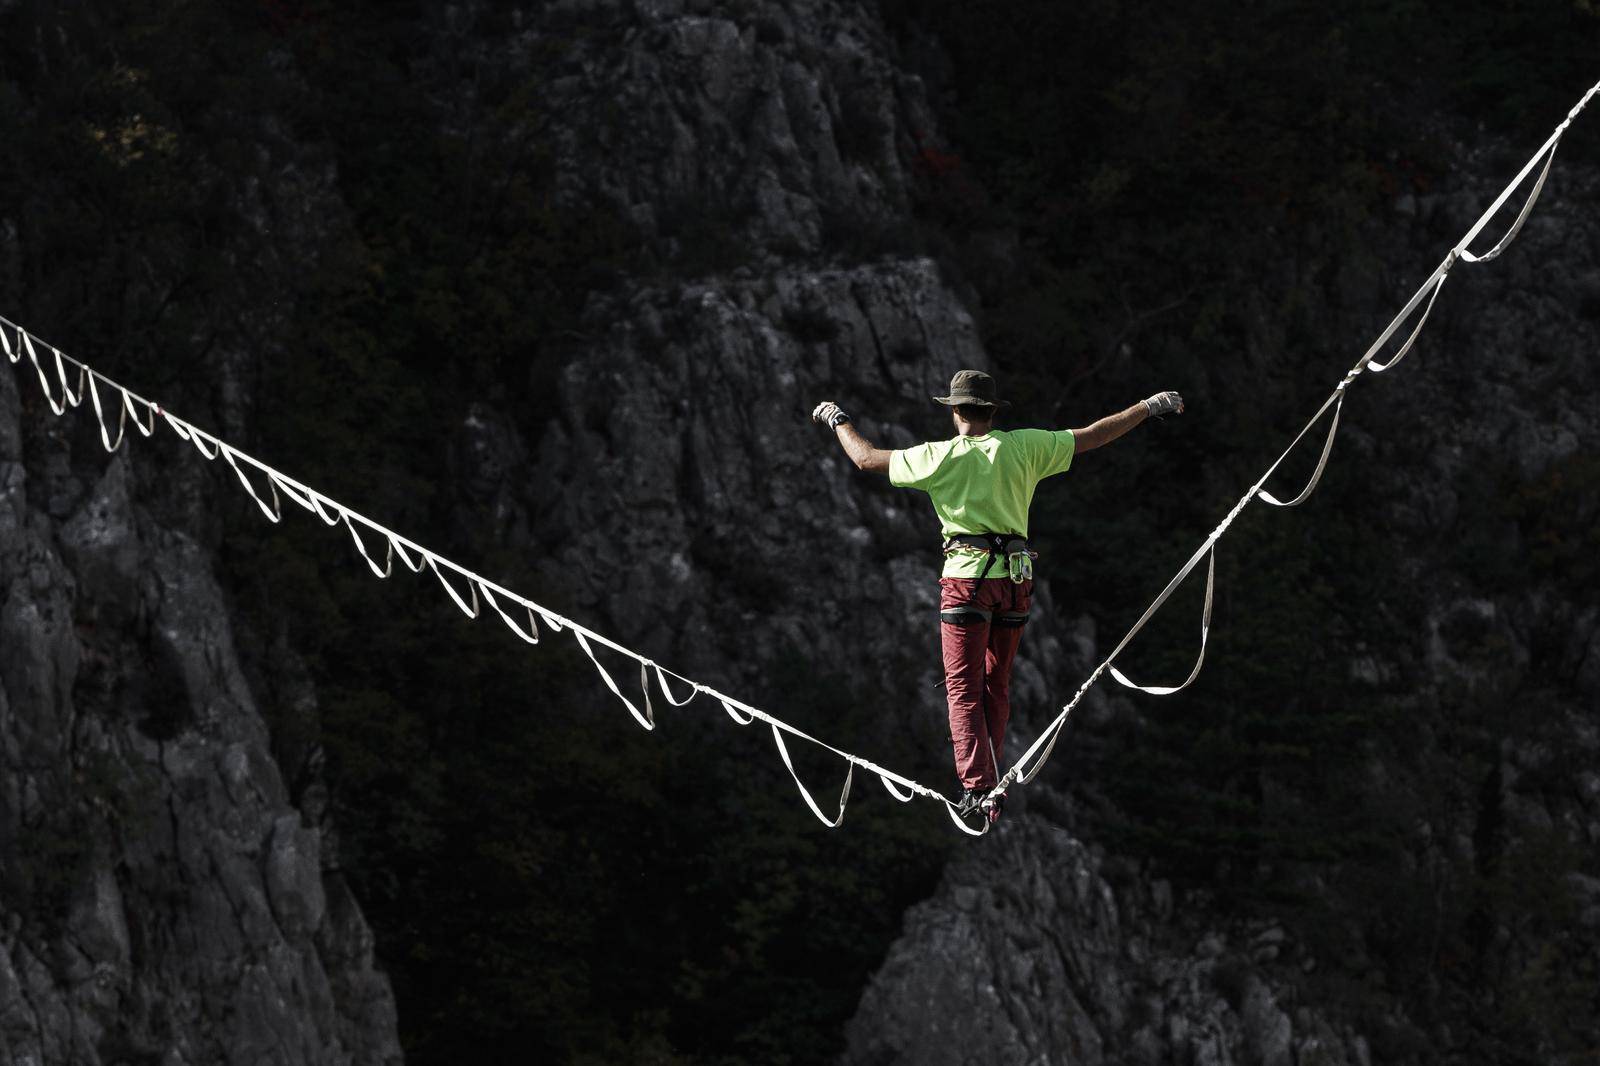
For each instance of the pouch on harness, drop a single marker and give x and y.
(1013, 548)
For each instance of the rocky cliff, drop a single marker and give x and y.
(164, 900)
(168, 892)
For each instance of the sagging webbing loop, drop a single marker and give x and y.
(530, 635)
(1205, 630)
(361, 547)
(646, 719)
(1322, 462)
(100, 417)
(275, 512)
(471, 610)
(56, 407)
(1437, 283)
(805, 793)
(661, 679)
(1522, 216)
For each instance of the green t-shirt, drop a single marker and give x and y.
(982, 484)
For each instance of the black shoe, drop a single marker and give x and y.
(971, 801)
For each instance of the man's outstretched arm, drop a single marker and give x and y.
(861, 451)
(1111, 427)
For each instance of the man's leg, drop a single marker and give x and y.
(1001, 652)
(965, 647)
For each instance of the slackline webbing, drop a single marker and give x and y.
(1038, 753)
(74, 380)
(478, 590)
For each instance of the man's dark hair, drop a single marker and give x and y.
(976, 412)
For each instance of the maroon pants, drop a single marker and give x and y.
(977, 672)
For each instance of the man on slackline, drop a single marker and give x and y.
(982, 481)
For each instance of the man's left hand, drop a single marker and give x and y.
(1164, 403)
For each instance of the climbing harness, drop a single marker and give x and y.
(1013, 548)
(73, 380)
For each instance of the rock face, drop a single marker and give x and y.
(746, 145)
(767, 126)
(162, 899)
(163, 896)
(1042, 950)
(702, 392)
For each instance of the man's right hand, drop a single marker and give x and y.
(829, 414)
(1164, 403)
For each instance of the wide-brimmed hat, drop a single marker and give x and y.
(971, 387)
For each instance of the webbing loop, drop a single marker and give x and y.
(275, 512)
(471, 610)
(100, 416)
(1322, 462)
(388, 560)
(1205, 630)
(645, 720)
(1437, 282)
(740, 716)
(150, 409)
(661, 679)
(805, 793)
(1522, 216)
(44, 382)
(66, 390)
(530, 635)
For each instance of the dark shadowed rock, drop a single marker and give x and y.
(161, 896)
